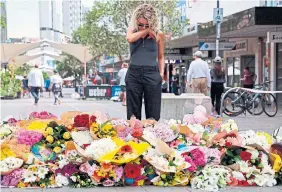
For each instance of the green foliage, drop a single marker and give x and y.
(22, 70)
(106, 24)
(9, 86)
(3, 22)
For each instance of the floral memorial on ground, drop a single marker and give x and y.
(91, 149)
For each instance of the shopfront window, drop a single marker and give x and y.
(233, 72)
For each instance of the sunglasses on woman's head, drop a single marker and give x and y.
(143, 25)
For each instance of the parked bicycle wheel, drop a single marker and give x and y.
(233, 104)
(256, 107)
(269, 105)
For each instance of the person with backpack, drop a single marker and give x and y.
(56, 86)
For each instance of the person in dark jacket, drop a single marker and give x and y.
(217, 83)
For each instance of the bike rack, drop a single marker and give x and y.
(229, 90)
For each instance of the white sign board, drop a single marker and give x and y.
(217, 15)
(209, 46)
(274, 37)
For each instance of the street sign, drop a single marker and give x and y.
(210, 46)
(217, 15)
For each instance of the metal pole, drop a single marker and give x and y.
(217, 31)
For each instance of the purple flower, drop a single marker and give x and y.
(68, 170)
(13, 178)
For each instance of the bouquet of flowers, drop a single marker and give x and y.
(67, 170)
(70, 156)
(180, 178)
(125, 153)
(105, 174)
(166, 160)
(229, 126)
(102, 131)
(211, 178)
(12, 148)
(83, 121)
(261, 138)
(252, 163)
(138, 173)
(41, 115)
(28, 137)
(124, 133)
(82, 138)
(55, 137)
(163, 132)
(224, 139)
(196, 159)
(99, 148)
(10, 164)
(137, 127)
(12, 179)
(80, 179)
(38, 176)
(6, 132)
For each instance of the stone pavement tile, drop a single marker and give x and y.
(20, 190)
(130, 189)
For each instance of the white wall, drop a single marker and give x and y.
(202, 10)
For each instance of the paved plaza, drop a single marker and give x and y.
(22, 107)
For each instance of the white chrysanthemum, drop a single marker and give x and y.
(100, 147)
(29, 176)
(42, 172)
(61, 180)
(81, 137)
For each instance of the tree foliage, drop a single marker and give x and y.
(71, 66)
(2, 18)
(106, 24)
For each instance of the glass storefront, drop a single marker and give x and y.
(233, 72)
(279, 72)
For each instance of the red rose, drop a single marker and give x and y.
(245, 156)
(227, 144)
(132, 171)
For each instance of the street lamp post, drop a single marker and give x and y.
(217, 31)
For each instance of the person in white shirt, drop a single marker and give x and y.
(56, 86)
(121, 75)
(198, 76)
(35, 82)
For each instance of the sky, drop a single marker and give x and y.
(23, 17)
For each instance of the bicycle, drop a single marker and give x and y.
(254, 103)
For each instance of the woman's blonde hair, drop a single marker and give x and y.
(148, 12)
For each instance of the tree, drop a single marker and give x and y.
(106, 24)
(3, 22)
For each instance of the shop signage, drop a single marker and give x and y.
(92, 91)
(116, 91)
(274, 37)
(241, 46)
(210, 46)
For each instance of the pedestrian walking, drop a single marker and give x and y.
(47, 86)
(121, 76)
(146, 69)
(217, 83)
(56, 86)
(249, 78)
(25, 86)
(198, 76)
(35, 83)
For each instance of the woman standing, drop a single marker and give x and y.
(146, 70)
(217, 83)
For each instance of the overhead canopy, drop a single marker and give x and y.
(20, 60)
(10, 51)
(185, 41)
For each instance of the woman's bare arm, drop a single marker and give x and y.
(132, 36)
(161, 46)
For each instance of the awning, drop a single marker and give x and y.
(185, 41)
(10, 51)
(20, 60)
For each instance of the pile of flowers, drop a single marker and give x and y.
(91, 149)
(41, 115)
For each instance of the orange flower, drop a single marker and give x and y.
(106, 167)
(126, 149)
(96, 177)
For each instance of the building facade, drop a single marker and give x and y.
(4, 18)
(72, 16)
